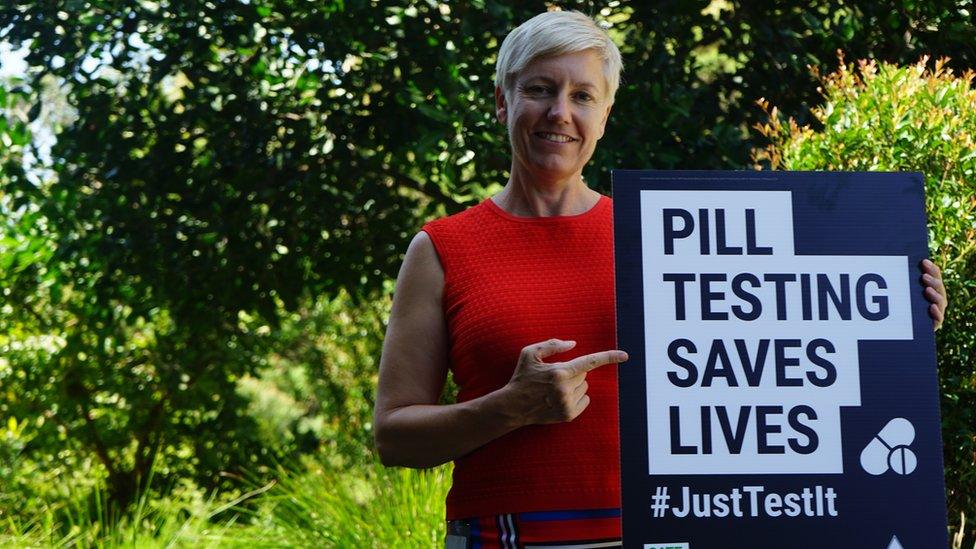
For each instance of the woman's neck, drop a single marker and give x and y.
(524, 199)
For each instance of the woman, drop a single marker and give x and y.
(515, 296)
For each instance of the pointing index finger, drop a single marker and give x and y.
(586, 363)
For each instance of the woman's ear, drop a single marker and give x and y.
(501, 106)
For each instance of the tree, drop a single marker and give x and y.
(231, 161)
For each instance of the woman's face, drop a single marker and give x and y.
(555, 113)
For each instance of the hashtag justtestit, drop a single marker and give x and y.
(752, 501)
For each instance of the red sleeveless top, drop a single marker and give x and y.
(508, 282)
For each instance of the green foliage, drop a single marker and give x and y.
(14, 135)
(312, 505)
(883, 117)
(375, 507)
(184, 518)
(196, 276)
(694, 69)
(316, 391)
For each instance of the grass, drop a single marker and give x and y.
(180, 520)
(308, 506)
(380, 508)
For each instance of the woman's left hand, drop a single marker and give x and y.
(935, 292)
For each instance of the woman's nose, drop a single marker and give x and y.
(559, 109)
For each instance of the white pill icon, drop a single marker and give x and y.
(874, 457)
(902, 460)
(889, 449)
(898, 432)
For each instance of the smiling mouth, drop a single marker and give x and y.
(555, 137)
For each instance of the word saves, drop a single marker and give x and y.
(761, 365)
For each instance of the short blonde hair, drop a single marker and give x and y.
(556, 33)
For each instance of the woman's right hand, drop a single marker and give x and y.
(554, 392)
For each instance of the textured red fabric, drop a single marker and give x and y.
(509, 282)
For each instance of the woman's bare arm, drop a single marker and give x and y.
(411, 429)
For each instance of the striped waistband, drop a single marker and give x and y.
(566, 529)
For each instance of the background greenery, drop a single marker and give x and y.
(195, 275)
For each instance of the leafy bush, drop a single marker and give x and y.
(882, 117)
(315, 393)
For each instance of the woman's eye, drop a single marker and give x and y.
(584, 96)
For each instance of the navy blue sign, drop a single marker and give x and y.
(781, 389)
